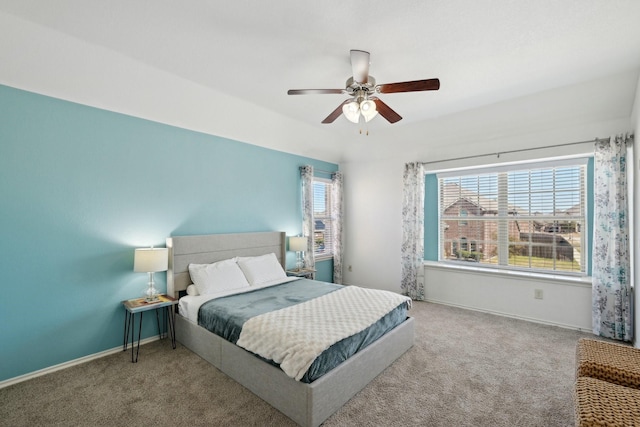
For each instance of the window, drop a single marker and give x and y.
(322, 228)
(463, 244)
(463, 213)
(530, 217)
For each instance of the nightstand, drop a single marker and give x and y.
(139, 306)
(307, 273)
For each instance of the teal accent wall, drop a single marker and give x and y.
(431, 230)
(324, 270)
(81, 188)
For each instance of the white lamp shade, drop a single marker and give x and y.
(368, 109)
(149, 260)
(298, 244)
(351, 111)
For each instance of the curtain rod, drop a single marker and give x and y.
(516, 151)
(320, 170)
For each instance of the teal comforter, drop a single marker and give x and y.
(225, 317)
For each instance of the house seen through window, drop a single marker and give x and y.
(516, 217)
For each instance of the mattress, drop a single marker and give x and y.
(226, 315)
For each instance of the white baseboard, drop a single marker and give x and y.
(45, 371)
(513, 316)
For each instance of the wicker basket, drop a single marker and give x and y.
(600, 403)
(615, 363)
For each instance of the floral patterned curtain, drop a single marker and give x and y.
(611, 289)
(412, 252)
(306, 173)
(336, 222)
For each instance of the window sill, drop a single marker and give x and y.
(555, 278)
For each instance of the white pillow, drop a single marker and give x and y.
(216, 277)
(192, 290)
(261, 269)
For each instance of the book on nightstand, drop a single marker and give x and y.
(141, 302)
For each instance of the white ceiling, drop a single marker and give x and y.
(483, 52)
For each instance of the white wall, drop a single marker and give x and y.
(563, 303)
(373, 214)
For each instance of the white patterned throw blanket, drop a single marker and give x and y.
(295, 336)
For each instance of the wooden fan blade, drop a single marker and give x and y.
(385, 111)
(413, 86)
(335, 114)
(360, 66)
(314, 91)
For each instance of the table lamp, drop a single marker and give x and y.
(150, 260)
(299, 245)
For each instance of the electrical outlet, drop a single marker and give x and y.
(537, 293)
(349, 268)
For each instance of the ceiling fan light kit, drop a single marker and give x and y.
(361, 106)
(361, 86)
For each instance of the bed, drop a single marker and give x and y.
(308, 404)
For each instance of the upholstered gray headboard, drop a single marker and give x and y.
(205, 249)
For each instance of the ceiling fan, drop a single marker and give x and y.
(363, 90)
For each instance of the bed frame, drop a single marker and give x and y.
(306, 404)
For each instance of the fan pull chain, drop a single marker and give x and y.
(366, 129)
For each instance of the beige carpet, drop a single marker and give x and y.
(465, 369)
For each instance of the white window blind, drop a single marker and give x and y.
(529, 217)
(322, 229)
